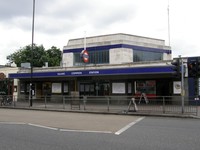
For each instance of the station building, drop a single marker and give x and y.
(115, 64)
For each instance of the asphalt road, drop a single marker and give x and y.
(67, 120)
(148, 133)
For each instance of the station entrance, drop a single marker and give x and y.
(94, 88)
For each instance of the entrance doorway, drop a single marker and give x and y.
(87, 89)
(103, 89)
(94, 88)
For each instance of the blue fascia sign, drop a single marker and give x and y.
(117, 71)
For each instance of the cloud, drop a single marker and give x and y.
(57, 21)
(11, 8)
(58, 16)
(108, 14)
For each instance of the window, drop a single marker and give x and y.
(65, 88)
(148, 87)
(56, 88)
(118, 88)
(103, 88)
(95, 57)
(146, 56)
(46, 88)
(22, 87)
(87, 89)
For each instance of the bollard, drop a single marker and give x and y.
(134, 104)
(14, 104)
(63, 102)
(108, 104)
(84, 102)
(45, 101)
(163, 105)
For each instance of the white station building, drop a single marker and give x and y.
(115, 64)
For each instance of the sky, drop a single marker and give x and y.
(57, 21)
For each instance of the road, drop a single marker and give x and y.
(150, 133)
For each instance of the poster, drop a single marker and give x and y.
(56, 88)
(118, 88)
(177, 87)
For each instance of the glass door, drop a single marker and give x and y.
(87, 89)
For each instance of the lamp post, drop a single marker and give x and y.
(32, 44)
(182, 85)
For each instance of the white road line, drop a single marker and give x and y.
(67, 130)
(51, 128)
(40, 126)
(13, 123)
(86, 131)
(128, 126)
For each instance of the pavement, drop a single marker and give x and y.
(143, 110)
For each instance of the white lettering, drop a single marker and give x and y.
(61, 74)
(76, 73)
(93, 72)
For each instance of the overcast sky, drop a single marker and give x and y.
(57, 21)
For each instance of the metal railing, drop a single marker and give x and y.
(111, 104)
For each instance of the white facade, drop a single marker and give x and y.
(7, 70)
(67, 60)
(121, 55)
(117, 55)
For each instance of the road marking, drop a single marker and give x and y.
(41, 126)
(51, 128)
(128, 126)
(85, 131)
(16, 123)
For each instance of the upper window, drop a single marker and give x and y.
(95, 57)
(146, 56)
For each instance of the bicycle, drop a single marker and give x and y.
(6, 100)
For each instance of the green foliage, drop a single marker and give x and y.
(38, 56)
(53, 56)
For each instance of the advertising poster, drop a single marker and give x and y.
(177, 87)
(56, 88)
(118, 88)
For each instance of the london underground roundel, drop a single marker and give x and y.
(85, 56)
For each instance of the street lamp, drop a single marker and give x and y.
(32, 44)
(182, 84)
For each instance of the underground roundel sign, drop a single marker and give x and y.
(85, 56)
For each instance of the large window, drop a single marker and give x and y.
(95, 57)
(146, 56)
(87, 89)
(118, 88)
(148, 87)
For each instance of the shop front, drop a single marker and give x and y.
(152, 81)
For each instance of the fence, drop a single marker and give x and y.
(112, 104)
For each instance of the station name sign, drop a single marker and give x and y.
(78, 73)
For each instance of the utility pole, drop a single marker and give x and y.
(182, 84)
(32, 45)
(168, 24)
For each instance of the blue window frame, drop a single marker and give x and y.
(146, 56)
(95, 57)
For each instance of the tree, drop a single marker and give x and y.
(53, 56)
(40, 56)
